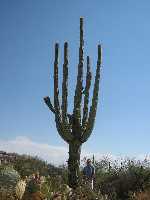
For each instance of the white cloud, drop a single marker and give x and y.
(53, 154)
(23, 145)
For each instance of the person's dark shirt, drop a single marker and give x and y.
(89, 171)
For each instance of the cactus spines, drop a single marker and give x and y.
(77, 127)
(20, 189)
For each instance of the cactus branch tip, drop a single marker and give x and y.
(99, 52)
(46, 98)
(81, 19)
(56, 45)
(66, 43)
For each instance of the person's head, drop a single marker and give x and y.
(88, 161)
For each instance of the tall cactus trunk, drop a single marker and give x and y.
(74, 164)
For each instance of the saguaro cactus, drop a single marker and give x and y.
(77, 127)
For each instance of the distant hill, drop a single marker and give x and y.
(27, 165)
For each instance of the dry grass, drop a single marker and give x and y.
(141, 196)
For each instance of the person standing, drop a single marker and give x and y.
(88, 173)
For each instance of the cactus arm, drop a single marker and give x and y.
(86, 94)
(65, 84)
(66, 124)
(79, 87)
(64, 133)
(58, 121)
(56, 90)
(93, 108)
(49, 104)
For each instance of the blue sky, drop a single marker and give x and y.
(28, 32)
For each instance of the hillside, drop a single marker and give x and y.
(27, 165)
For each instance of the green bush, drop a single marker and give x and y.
(8, 181)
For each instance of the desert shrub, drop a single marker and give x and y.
(8, 176)
(51, 186)
(27, 165)
(9, 183)
(20, 189)
(118, 182)
(143, 195)
(84, 193)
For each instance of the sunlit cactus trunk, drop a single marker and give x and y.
(74, 164)
(77, 127)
